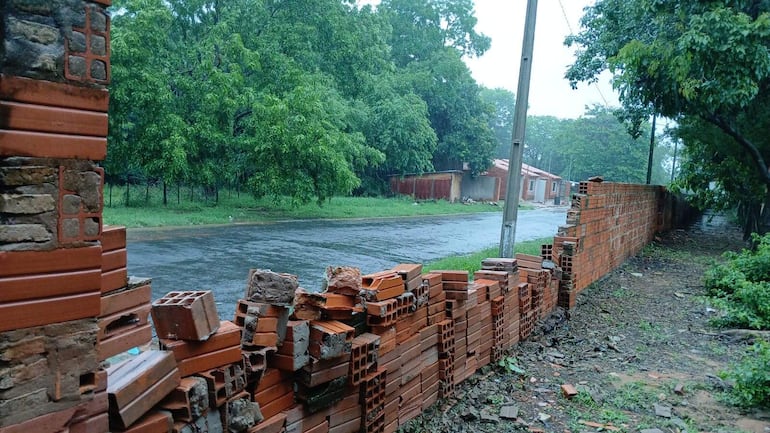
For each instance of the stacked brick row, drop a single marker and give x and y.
(606, 224)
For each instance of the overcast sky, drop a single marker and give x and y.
(550, 93)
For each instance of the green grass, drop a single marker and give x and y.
(472, 262)
(233, 208)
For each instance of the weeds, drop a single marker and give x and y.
(740, 288)
(751, 376)
(511, 365)
(472, 262)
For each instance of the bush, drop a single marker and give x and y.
(752, 377)
(740, 288)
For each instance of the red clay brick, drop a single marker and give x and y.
(42, 118)
(228, 335)
(123, 300)
(97, 424)
(113, 238)
(112, 260)
(277, 405)
(210, 360)
(18, 288)
(185, 315)
(114, 280)
(47, 145)
(138, 384)
(122, 321)
(120, 343)
(14, 88)
(274, 424)
(38, 312)
(13, 263)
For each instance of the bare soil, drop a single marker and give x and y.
(638, 347)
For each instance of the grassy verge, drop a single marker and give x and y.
(233, 208)
(472, 262)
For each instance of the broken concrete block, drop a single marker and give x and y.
(242, 414)
(189, 400)
(509, 411)
(227, 336)
(343, 280)
(271, 287)
(330, 339)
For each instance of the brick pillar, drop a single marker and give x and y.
(54, 71)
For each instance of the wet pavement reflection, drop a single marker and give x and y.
(218, 258)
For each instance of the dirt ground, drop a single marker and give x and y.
(638, 347)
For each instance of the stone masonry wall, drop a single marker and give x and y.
(56, 40)
(54, 71)
(47, 204)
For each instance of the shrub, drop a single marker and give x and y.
(752, 377)
(740, 288)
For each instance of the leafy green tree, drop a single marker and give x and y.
(698, 63)
(428, 40)
(144, 135)
(593, 144)
(503, 103)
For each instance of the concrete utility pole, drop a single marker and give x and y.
(511, 211)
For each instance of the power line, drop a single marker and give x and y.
(572, 33)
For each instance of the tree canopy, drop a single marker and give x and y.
(299, 99)
(705, 64)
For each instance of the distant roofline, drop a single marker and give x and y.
(425, 173)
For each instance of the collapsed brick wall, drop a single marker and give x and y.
(67, 306)
(606, 224)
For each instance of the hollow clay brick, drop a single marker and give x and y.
(190, 315)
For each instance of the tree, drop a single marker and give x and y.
(503, 102)
(144, 135)
(695, 62)
(428, 40)
(234, 92)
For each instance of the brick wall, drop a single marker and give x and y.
(67, 305)
(54, 69)
(606, 224)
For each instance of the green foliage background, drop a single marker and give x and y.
(301, 99)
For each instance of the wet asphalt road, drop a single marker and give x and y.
(218, 258)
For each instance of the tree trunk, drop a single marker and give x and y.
(178, 193)
(165, 194)
(109, 186)
(764, 215)
(749, 214)
(128, 188)
(147, 192)
(216, 195)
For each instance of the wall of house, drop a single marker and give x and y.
(481, 188)
(429, 186)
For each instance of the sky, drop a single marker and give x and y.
(549, 93)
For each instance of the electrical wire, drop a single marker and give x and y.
(572, 33)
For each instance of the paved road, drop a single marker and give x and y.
(218, 258)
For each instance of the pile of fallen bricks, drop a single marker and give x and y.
(368, 353)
